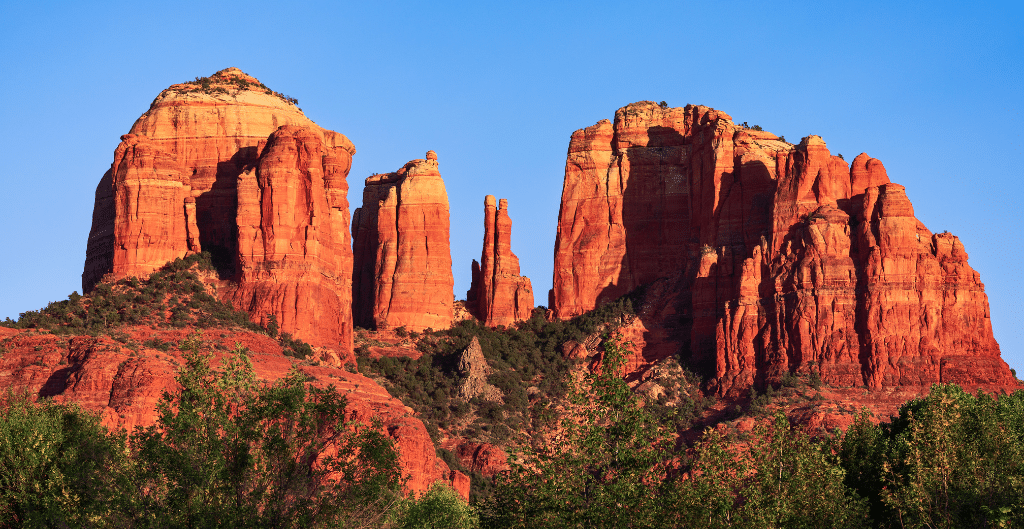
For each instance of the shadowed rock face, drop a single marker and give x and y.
(201, 171)
(761, 257)
(498, 295)
(403, 263)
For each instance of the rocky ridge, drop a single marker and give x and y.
(123, 379)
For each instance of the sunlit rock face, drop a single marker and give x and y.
(403, 262)
(225, 165)
(498, 295)
(761, 257)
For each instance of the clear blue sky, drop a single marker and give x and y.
(933, 89)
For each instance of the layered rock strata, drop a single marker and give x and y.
(402, 275)
(200, 170)
(760, 257)
(498, 295)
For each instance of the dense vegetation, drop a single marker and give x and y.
(172, 297)
(951, 459)
(228, 451)
(225, 452)
(527, 365)
(526, 359)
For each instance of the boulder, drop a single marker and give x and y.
(474, 370)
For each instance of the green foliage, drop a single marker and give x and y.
(272, 326)
(790, 379)
(779, 478)
(521, 356)
(226, 452)
(175, 289)
(439, 508)
(58, 466)
(614, 464)
(294, 347)
(601, 471)
(950, 459)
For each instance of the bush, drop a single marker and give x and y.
(440, 507)
(58, 466)
(227, 452)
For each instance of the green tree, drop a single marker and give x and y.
(601, 469)
(777, 477)
(58, 466)
(225, 453)
(951, 459)
(439, 508)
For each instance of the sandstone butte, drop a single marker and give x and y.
(124, 386)
(759, 257)
(498, 295)
(224, 164)
(402, 275)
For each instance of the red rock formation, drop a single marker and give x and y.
(123, 386)
(190, 177)
(761, 257)
(484, 458)
(403, 266)
(293, 242)
(498, 295)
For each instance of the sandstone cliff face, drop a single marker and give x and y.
(124, 386)
(190, 177)
(293, 243)
(498, 295)
(402, 274)
(761, 257)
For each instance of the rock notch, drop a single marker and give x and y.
(200, 170)
(403, 263)
(760, 257)
(498, 295)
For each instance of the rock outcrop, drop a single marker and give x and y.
(485, 458)
(402, 275)
(474, 370)
(498, 295)
(760, 257)
(200, 171)
(124, 385)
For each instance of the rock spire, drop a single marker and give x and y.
(498, 295)
(403, 263)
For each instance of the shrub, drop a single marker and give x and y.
(439, 507)
(58, 466)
